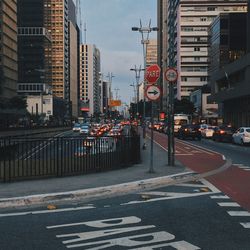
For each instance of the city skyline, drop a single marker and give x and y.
(123, 51)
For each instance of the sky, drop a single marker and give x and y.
(109, 25)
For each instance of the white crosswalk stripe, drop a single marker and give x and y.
(238, 213)
(219, 197)
(243, 214)
(242, 166)
(245, 224)
(228, 204)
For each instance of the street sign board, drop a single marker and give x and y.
(153, 93)
(114, 103)
(152, 73)
(171, 74)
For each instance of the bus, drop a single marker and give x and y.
(179, 120)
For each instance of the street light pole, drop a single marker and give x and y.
(144, 41)
(137, 77)
(109, 76)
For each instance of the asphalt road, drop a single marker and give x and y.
(187, 216)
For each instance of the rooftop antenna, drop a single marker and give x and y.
(85, 33)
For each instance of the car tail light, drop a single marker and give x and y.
(222, 132)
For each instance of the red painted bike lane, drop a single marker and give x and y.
(234, 182)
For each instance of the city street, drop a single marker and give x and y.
(206, 155)
(187, 216)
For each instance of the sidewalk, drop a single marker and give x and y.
(97, 184)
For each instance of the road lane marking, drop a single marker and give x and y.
(228, 204)
(97, 235)
(242, 166)
(167, 150)
(102, 223)
(238, 213)
(46, 211)
(205, 150)
(219, 197)
(245, 224)
(176, 196)
(190, 185)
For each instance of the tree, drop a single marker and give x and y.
(17, 102)
(183, 106)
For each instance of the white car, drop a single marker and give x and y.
(207, 132)
(242, 136)
(84, 130)
(76, 127)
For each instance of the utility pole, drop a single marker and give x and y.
(145, 31)
(137, 77)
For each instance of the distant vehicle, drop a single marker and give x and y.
(208, 131)
(189, 131)
(76, 127)
(242, 136)
(179, 120)
(223, 133)
(84, 129)
(105, 145)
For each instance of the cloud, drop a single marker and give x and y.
(109, 25)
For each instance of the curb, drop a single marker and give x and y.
(108, 191)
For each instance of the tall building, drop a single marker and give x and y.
(189, 51)
(8, 49)
(225, 45)
(89, 79)
(151, 54)
(230, 73)
(34, 48)
(59, 29)
(162, 46)
(74, 51)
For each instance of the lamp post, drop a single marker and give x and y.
(137, 77)
(110, 76)
(145, 31)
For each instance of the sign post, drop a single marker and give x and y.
(153, 93)
(171, 75)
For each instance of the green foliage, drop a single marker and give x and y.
(17, 102)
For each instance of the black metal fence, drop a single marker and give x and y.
(30, 158)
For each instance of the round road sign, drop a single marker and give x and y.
(153, 93)
(171, 74)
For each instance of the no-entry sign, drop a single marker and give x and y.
(152, 73)
(171, 74)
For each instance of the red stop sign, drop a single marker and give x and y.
(152, 73)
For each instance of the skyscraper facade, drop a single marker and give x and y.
(74, 50)
(34, 47)
(188, 24)
(59, 29)
(162, 48)
(89, 79)
(8, 48)
(151, 53)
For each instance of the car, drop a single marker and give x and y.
(84, 130)
(242, 136)
(223, 133)
(104, 146)
(189, 131)
(76, 127)
(208, 132)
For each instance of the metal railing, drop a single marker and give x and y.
(30, 158)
